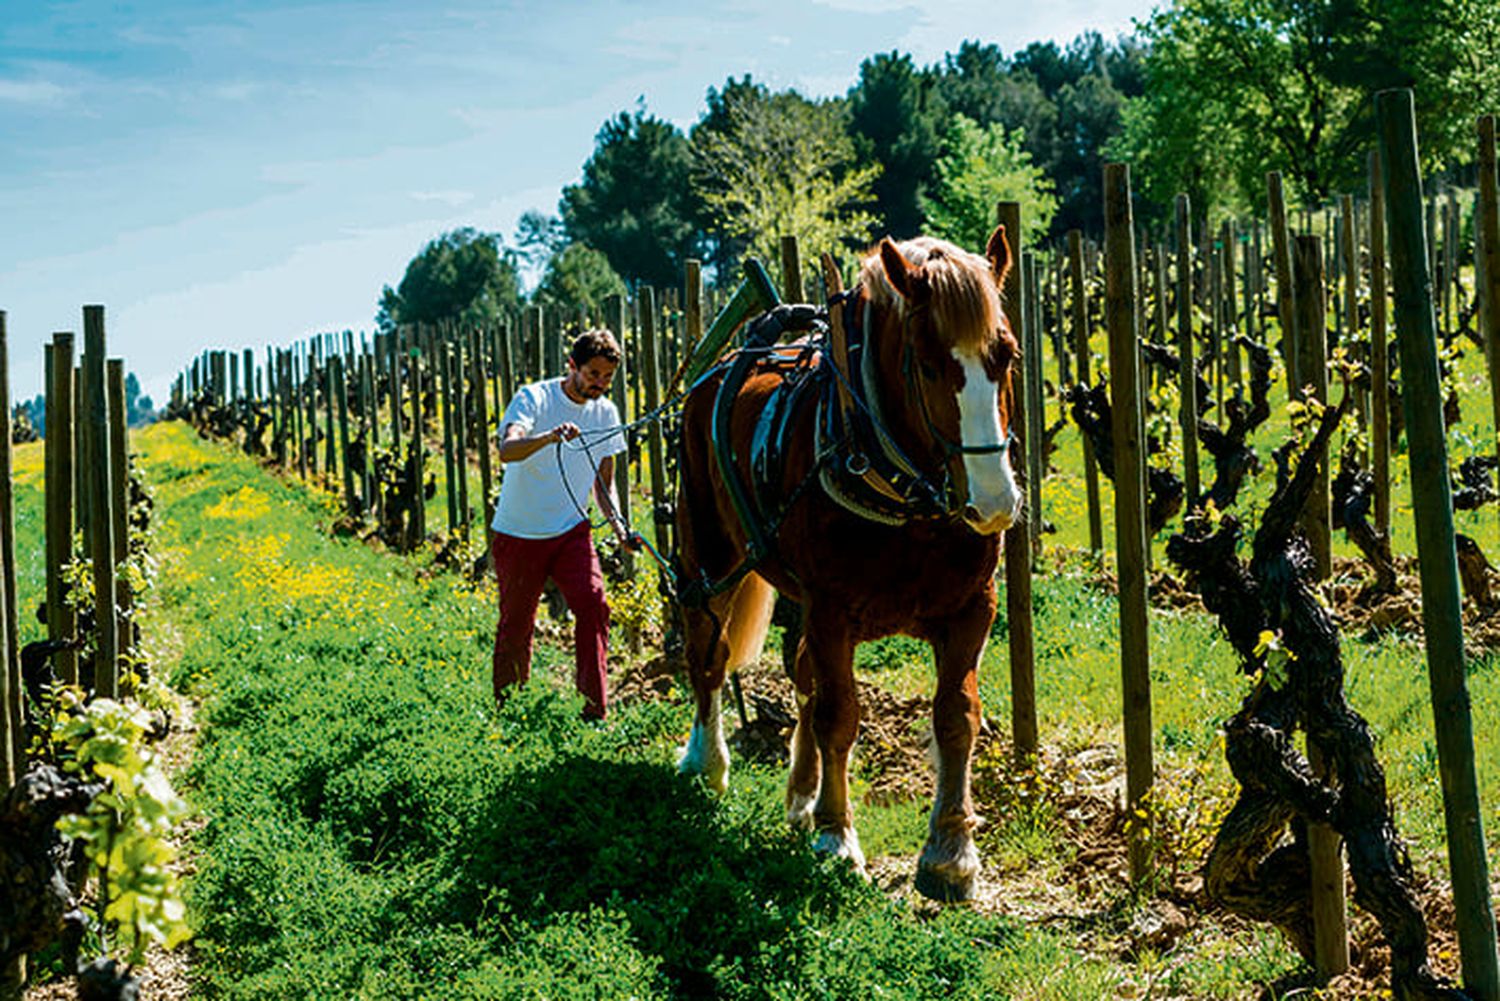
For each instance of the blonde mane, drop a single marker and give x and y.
(965, 303)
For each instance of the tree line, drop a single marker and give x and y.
(1204, 97)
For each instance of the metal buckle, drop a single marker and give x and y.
(857, 464)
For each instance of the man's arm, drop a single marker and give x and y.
(604, 493)
(516, 444)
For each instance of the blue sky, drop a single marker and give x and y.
(237, 174)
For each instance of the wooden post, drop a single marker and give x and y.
(551, 335)
(1380, 418)
(341, 400)
(1187, 404)
(482, 439)
(1254, 282)
(1231, 351)
(614, 318)
(1442, 612)
(416, 465)
(101, 522)
(1020, 633)
(460, 412)
(61, 490)
(1035, 420)
(1312, 363)
(393, 344)
(1215, 319)
(508, 356)
(311, 388)
(1130, 510)
(119, 489)
(442, 372)
(331, 457)
(650, 361)
(692, 311)
(1489, 258)
(303, 427)
(791, 271)
(1286, 302)
(1085, 360)
(12, 744)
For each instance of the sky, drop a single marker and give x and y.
(242, 173)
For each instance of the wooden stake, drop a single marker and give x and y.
(1130, 510)
(1286, 301)
(61, 489)
(1187, 404)
(1488, 273)
(101, 521)
(119, 488)
(1380, 418)
(1018, 618)
(12, 743)
(1085, 360)
(1442, 613)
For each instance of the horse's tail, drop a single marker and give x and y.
(749, 619)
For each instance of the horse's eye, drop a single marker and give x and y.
(928, 370)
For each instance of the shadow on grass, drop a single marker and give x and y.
(696, 881)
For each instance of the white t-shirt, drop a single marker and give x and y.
(534, 501)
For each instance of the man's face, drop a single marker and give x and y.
(592, 379)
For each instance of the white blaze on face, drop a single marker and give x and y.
(994, 499)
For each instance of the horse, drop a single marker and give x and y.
(882, 513)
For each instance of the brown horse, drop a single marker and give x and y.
(933, 391)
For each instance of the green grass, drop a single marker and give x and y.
(376, 829)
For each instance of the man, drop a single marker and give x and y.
(558, 440)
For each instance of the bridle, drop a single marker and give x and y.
(952, 451)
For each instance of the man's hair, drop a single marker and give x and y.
(596, 343)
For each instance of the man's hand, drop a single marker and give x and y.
(565, 431)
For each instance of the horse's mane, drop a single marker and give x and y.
(965, 303)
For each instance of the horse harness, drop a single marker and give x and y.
(857, 462)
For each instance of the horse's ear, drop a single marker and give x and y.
(998, 251)
(905, 277)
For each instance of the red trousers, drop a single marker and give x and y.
(522, 567)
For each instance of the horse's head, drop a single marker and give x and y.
(946, 335)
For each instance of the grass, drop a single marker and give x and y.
(376, 829)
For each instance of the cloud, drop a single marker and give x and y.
(452, 199)
(36, 93)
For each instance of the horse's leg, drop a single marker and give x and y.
(806, 770)
(834, 715)
(949, 864)
(725, 636)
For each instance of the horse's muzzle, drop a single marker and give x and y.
(994, 524)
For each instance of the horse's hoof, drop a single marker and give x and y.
(799, 812)
(842, 844)
(933, 886)
(708, 756)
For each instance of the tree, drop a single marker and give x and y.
(539, 237)
(463, 275)
(634, 203)
(1287, 85)
(896, 116)
(579, 276)
(774, 165)
(979, 166)
(1088, 117)
(138, 408)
